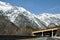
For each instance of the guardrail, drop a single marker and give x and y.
(45, 30)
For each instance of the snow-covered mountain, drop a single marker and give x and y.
(50, 20)
(22, 18)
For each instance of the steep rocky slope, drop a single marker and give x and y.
(8, 28)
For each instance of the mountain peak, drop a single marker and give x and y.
(5, 6)
(4, 3)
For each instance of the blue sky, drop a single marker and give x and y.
(37, 6)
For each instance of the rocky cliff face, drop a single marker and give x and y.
(8, 28)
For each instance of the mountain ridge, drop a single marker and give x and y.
(22, 18)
